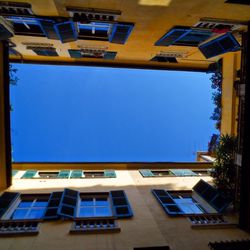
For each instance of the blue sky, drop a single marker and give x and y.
(94, 114)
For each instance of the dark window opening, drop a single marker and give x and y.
(164, 59)
(161, 173)
(238, 2)
(48, 175)
(91, 174)
(28, 29)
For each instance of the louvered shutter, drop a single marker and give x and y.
(146, 172)
(122, 208)
(48, 29)
(68, 204)
(109, 174)
(120, 33)
(220, 45)
(76, 174)
(166, 202)
(53, 206)
(63, 174)
(66, 31)
(29, 174)
(6, 199)
(172, 36)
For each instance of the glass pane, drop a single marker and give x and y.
(86, 212)
(188, 206)
(40, 203)
(19, 214)
(87, 202)
(102, 211)
(25, 204)
(102, 201)
(36, 213)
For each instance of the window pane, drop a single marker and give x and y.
(188, 206)
(19, 214)
(25, 204)
(41, 203)
(87, 202)
(36, 214)
(102, 211)
(102, 202)
(86, 212)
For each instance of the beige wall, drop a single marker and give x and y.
(150, 226)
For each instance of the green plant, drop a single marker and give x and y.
(224, 168)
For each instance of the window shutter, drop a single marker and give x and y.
(110, 55)
(146, 172)
(76, 174)
(166, 202)
(63, 174)
(220, 45)
(75, 53)
(29, 174)
(172, 36)
(120, 33)
(48, 29)
(53, 205)
(66, 31)
(68, 204)
(6, 30)
(122, 208)
(182, 172)
(40, 51)
(109, 174)
(6, 199)
(211, 195)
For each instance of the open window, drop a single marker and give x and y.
(184, 36)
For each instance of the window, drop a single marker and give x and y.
(94, 31)
(92, 53)
(184, 36)
(203, 199)
(158, 58)
(169, 172)
(219, 45)
(43, 51)
(26, 26)
(30, 208)
(65, 174)
(94, 206)
(48, 175)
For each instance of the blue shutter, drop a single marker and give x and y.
(211, 195)
(68, 204)
(220, 45)
(172, 36)
(29, 174)
(182, 172)
(146, 172)
(48, 29)
(76, 174)
(75, 53)
(63, 174)
(166, 201)
(53, 205)
(110, 55)
(109, 174)
(6, 199)
(120, 33)
(122, 208)
(66, 31)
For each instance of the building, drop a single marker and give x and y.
(146, 34)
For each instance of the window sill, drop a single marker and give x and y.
(19, 228)
(94, 225)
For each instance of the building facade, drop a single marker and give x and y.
(145, 34)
